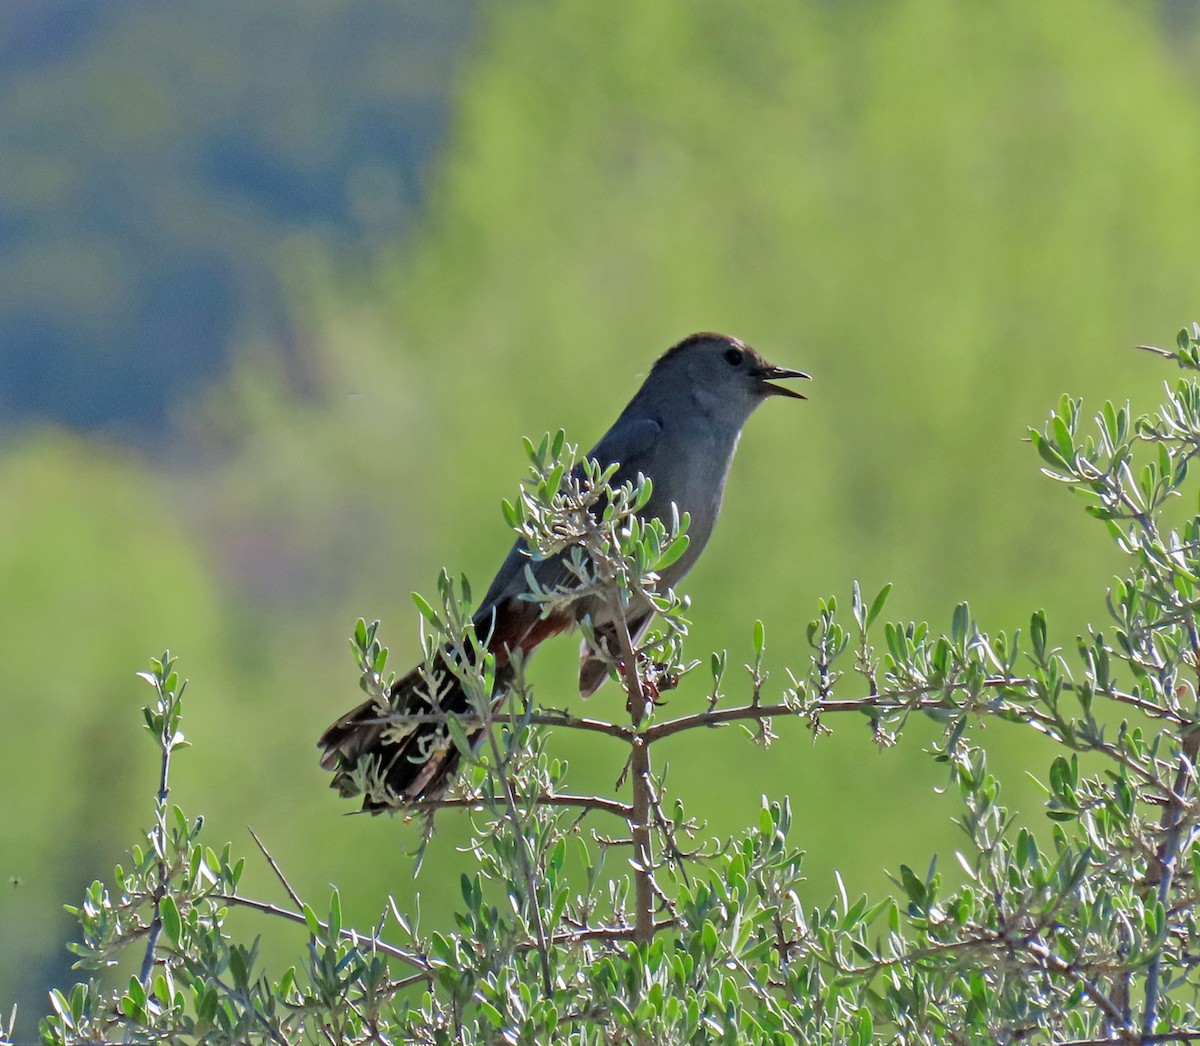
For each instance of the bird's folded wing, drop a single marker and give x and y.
(629, 443)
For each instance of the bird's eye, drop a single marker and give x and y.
(733, 357)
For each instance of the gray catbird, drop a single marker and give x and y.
(680, 430)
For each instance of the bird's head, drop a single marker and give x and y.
(722, 371)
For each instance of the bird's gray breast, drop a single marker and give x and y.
(690, 470)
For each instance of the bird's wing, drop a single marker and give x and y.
(630, 443)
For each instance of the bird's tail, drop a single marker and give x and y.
(374, 752)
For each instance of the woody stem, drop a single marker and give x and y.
(639, 767)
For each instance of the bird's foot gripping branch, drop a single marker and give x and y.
(613, 918)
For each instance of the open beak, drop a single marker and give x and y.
(771, 373)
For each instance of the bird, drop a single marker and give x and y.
(680, 430)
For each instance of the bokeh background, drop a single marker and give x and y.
(282, 284)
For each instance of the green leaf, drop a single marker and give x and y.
(1063, 440)
(877, 604)
(1108, 418)
(427, 612)
(459, 735)
(760, 638)
(237, 966)
(913, 886)
(1048, 452)
(645, 487)
(672, 553)
(1037, 635)
(864, 1031)
(310, 917)
(959, 624)
(335, 913)
(171, 923)
(766, 823)
(718, 665)
(491, 1013)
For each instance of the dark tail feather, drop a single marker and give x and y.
(414, 760)
(418, 760)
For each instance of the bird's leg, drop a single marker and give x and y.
(654, 679)
(632, 702)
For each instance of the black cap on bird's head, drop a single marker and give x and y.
(738, 357)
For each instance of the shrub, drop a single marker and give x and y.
(646, 932)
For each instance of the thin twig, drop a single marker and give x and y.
(266, 908)
(276, 869)
(612, 934)
(912, 699)
(469, 720)
(1157, 351)
(584, 802)
(522, 844)
(720, 716)
(160, 835)
(1143, 1040)
(673, 853)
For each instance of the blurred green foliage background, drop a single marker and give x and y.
(284, 285)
